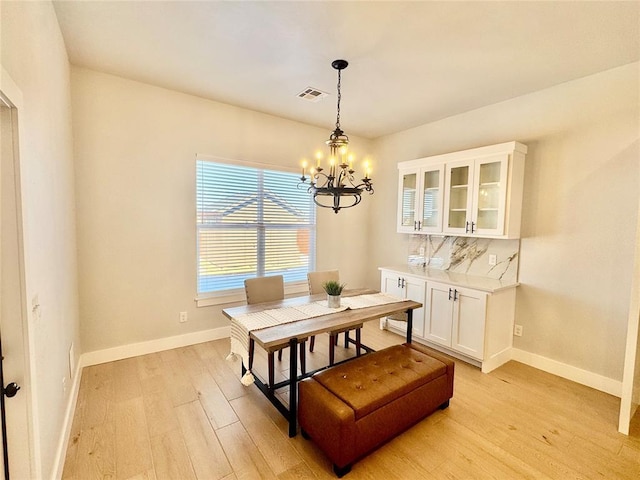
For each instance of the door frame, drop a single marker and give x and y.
(630, 394)
(12, 97)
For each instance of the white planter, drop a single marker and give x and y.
(333, 301)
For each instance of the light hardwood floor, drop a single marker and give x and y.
(183, 414)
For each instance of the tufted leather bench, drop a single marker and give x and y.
(352, 408)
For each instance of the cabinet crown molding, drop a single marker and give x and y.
(478, 152)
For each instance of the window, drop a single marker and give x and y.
(251, 222)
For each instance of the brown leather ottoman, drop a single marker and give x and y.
(352, 408)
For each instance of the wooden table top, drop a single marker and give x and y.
(272, 338)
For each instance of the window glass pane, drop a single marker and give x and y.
(286, 253)
(226, 258)
(251, 222)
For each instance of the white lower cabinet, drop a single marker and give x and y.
(456, 318)
(470, 324)
(407, 287)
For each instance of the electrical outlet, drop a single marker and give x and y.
(422, 251)
(493, 259)
(517, 330)
(183, 317)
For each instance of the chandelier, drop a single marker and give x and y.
(330, 188)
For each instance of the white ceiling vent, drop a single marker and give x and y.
(312, 94)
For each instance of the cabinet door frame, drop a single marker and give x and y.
(438, 313)
(417, 204)
(446, 228)
(502, 195)
(406, 287)
(416, 289)
(440, 168)
(389, 283)
(469, 320)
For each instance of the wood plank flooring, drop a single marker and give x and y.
(183, 414)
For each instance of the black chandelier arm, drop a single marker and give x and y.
(368, 187)
(335, 205)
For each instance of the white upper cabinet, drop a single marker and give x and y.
(476, 196)
(474, 193)
(420, 199)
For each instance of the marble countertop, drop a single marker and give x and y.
(484, 284)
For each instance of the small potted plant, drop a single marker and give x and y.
(334, 290)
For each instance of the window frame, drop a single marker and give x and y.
(238, 294)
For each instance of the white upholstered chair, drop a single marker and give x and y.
(261, 290)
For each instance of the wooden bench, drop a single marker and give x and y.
(350, 409)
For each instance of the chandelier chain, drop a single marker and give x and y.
(339, 97)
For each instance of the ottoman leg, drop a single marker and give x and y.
(444, 405)
(341, 471)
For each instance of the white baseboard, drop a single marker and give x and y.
(67, 422)
(575, 374)
(152, 346)
(497, 360)
(119, 353)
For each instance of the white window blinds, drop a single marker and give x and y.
(250, 223)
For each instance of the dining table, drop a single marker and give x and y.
(362, 305)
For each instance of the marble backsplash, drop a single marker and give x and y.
(466, 255)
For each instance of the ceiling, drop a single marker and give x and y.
(410, 63)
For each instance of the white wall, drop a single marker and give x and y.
(33, 54)
(135, 148)
(580, 208)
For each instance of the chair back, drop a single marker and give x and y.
(264, 289)
(317, 279)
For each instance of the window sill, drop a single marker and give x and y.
(238, 296)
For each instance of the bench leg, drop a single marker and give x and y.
(358, 342)
(346, 339)
(341, 471)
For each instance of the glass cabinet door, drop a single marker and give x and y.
(459, 197)
(489, 202)
(407, 202)
(432, 193)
